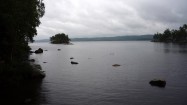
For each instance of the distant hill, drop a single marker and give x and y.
(116, 38)
(42, 40)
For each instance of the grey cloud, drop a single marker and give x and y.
(165, 11)
(88, 18)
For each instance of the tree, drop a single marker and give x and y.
(60, 38)
(168, 35)
(18, 22)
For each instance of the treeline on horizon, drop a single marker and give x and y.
(176, 36)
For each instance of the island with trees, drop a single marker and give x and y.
(60, 38)
(174, 36)
(18, 22)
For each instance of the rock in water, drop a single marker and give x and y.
(72, 62)
(39, 51)
(116, 65)
(38, 73)
(71, 58)
(159, 83)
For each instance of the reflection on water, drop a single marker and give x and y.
(27, 94)
(172, 47)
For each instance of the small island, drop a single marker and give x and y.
(60, 38)
(173, 36)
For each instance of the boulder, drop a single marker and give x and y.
(41, 75)
(38, 73)
(58, 49)
(71, 58)
(116, 65)
(157, 82)
(72, 62)
(39, 51)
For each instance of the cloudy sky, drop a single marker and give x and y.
(98, 18)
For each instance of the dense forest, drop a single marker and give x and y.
(18, 22)
(176, 36)
(60, 38)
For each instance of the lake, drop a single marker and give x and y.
(94, 81)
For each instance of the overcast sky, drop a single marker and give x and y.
(105, 18)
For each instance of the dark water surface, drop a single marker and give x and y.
(94, 81)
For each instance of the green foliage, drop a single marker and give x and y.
(60, 38)
(18, 22)
(168, 35)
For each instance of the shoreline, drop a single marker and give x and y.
(20, 73)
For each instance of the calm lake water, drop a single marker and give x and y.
(94, 81)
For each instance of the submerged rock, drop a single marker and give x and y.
(72, 62)
(116, 65)
(71, 58)
(157, 82)
(58, 49)
(39, 51)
